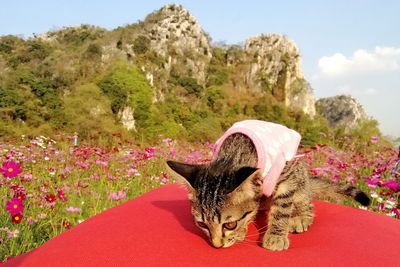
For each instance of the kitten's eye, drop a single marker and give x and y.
(230, 225)
(202, 225)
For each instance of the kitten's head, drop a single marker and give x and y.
(223, 201)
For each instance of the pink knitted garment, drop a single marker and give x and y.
(275, 145)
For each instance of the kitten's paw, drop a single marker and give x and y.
(274, 242)
(300, 224)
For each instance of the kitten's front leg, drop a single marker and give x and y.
(276, 237)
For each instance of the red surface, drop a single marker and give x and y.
(156, 229)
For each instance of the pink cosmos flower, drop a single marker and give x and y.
(102, 163)
(393, 185)
(31, 220)
(72, 209)
(119, 196)
(15, 206)
(374, 139)
(10, 169)
(132, 171)
(61, 195)
(397, 212)
(42, 216)
(19, 195)
(18, 188)
(165, 178)
(28, 176)
(12, 234)
(68, 170)
(110, 177)
(167, 140)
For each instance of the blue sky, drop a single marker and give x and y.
(350, 47)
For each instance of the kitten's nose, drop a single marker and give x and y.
(218, 246)
(217, 243)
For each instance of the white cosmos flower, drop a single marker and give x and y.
(374, 195)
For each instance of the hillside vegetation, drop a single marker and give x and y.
(158, 76)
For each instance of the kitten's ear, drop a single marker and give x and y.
(249, 184)
(187, 172)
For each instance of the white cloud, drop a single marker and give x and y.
(381, 59)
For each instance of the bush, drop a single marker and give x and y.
(93, 52)
(191, 85)
(38, 49)
(141, 44)
(88, 111)
(213, 95)
(207, 130)
(126, 85)
(8, 43)
(216, 75)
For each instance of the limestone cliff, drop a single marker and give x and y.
(176, 35)
(342, 111)
(275, 66)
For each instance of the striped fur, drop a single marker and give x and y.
(228, 191)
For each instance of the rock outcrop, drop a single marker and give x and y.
(342, 111)
(275, 66)
(176, 35)
(126, 118)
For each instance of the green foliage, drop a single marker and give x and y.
(76, 36)
(217, 75)
(298, 86)
(11, 105)
(126, 85)
(88, 111)
(217, 72)
(8, 43)
(206, 130)
(57, 82)
(151, 56)
(214, 95)
(360, 135)
(93, 52)
(164, 121)
(141, 44)
(191, 85)
(219, 56)
(235, 54)
(38, 49)
(264, 81)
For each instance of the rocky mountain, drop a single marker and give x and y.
(342, 111)
(275, 65)
(176, 35)
(162, 74)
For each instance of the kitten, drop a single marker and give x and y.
(227, 193)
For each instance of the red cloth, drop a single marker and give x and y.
(156, 229)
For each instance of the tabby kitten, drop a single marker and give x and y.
(226, 194)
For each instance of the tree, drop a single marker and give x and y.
(126, 85)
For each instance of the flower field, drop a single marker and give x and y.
(48, 185)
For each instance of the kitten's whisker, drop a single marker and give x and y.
(251, 241)
(255, 234)
(259, 229)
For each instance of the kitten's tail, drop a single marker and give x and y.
(321, 186)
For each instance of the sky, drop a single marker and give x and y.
(347, 47)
